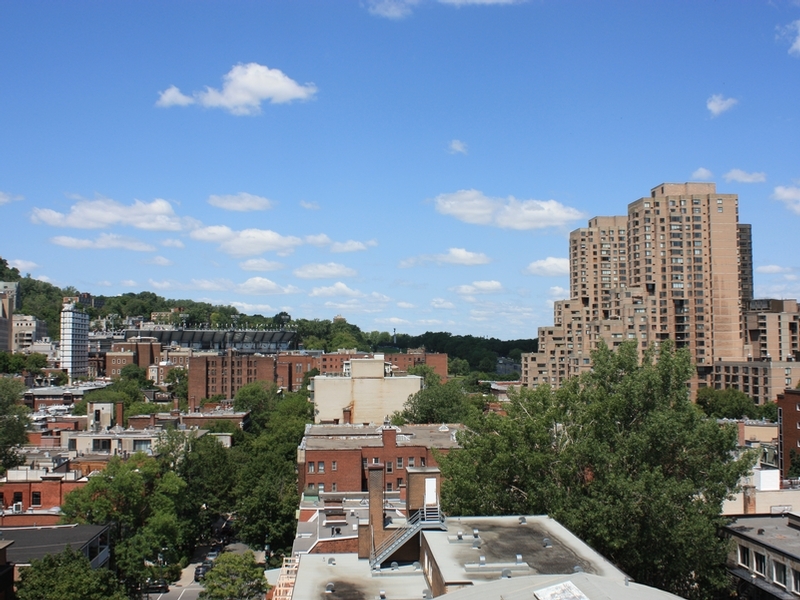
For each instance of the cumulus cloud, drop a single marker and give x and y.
(558, 293)
(324, 271)
(160, 261)
(337, 289)
(241, 202)
(352, 246)
(718, 104)
(244, 88)
(128, 283)
(480, 287)
(249, 308)
(549, 267)
(24, 266)
(391, 9)
(309, 205)
(792, 33)
(5, 198)
(744, 177)
(172, 243)
(246, 242)
(318, 240)
(457, 147)
(405, 305)
(442, 303)
(702, 174)
(260, 264)
(790, 196)
(772, 269)
(472, 206)
(454, 256)
(160, 285)
(211, 285)
(105, 241)
(157, 215)
(393, 321)
(261, 285)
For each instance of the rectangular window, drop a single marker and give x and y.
(399, 482)
(333, 486)
(399, 462)
(375, 460)
(333, 465)
(320, 467)
(311, 467)
(795, 580)
(744, 556)
(388, 486)
(389, 466)
(363, 463)
(760, 566)
(17, 497)
(410, 461)
(320, 487)
(421, 461)
(779, 573)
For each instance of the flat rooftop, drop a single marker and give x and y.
(770, 531)
(337, 437)
(37, 542)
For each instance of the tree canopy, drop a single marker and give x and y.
(621, 457)
(234, 576)
(13, 422)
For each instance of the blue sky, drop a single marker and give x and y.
(415, 165)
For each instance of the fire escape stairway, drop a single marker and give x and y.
(429, 517)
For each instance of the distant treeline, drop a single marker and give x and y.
(43, 301)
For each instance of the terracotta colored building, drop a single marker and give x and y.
(225, 374)
(788, 428)
(337, 458)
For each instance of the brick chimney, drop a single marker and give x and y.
(389, 436)
(749, 498)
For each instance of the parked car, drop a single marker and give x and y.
(213, 555)
(157, 586)
(200, 572)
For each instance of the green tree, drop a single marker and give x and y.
(726, 404)
(234, 577)
(14, 422)
(457, 366)
(621, 457)
(67, 576)
(442, 403)
(177, 380)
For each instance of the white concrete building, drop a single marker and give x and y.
(74, 341)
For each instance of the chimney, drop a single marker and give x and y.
(120, 416)
(749, 498)
(375, 487)
(389, 436)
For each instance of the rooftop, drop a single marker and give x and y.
(324, 437)
(772, 531)
(36, 542)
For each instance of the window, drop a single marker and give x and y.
(779, 573)
(760, 563)
(421, 461)
(410, 461)
(389, 465)
(399, 482)
(333, 465)
(311, 467)
(388, 486)
(320, 467)
(375, 460)
(363, 463)
(744, 556)
(796, 580)
(333, 486)
(17, 497)
(320, 487)
(311, 488)
(399, 462)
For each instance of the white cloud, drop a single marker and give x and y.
(250, 309)
(160, 261)
(309, 205)
(718, 104)
(172, 243)
(480, 287)
(337, 289)
(260, 264)
(558, 293)
(790, 196)
(246, 242)
(391, 9)
(442, 303)
(211, 285)
(324, 271)
(405, 305)
(104, 283)
(5, 198)
(241, 202)
(128, 283)
(744, 177)
(104, 242)
(472, 206)
(351, 246)
(454, 256)
(702, 174)
(354, 305)
(44, 278)
(771, 269)
(24, 266)
(429, 322)
(393, 321)
(244, 88)
(549, 267)
(172, 96)
(318, 240)
(160, 285)
(792, 32)
(157, 215)
(261, 285)
(457, 147)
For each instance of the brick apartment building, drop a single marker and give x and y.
(336, 458)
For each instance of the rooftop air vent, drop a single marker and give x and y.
(505, 574)
(329, 589)
(523, 521)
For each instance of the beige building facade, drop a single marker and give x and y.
(671, 269)
(367, 391)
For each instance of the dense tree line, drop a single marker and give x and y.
(620, 456)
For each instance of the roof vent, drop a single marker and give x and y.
(383, 595)
(577, 569)
(443, 428)
(460, 535)
(395, 566)
(416, 565)
(482, 561)
(476, 543)
(332, 561)
(547, 543)
(505, 574)
(426, 594)
(519, 559)
(475, 533)
(523, 521)
(761, 532)
(329, 589)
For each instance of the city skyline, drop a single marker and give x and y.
(415, 165)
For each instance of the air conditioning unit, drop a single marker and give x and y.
(17, 508)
